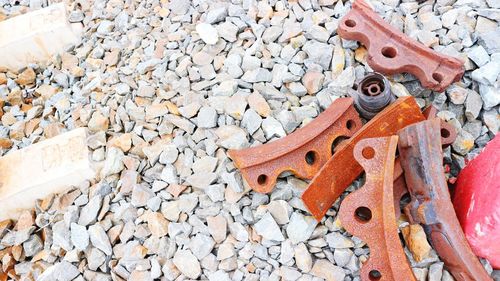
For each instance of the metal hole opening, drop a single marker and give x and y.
(336, 143)
(350, 124)
(375, 275)
(311, 157)
(363, 214)
(389, 52)
(350, 23)
(437, 76)
(262, 179)
(445, 133)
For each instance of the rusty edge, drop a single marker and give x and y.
(303, 152)
(422, 161)
(369, 212)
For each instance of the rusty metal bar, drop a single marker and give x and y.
(303, 152)
(422, 161)
(342, 169)
(390, 51)
(448, 136)
(369, 212)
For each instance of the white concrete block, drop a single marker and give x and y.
(36, 37)
(38, 170)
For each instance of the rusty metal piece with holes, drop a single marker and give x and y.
(372, 95)
(422, 161)
(369, 213)
(303, 152)
(390, 51)
(342, 169)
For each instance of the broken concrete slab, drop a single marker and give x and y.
(43, 168)
(36, 36)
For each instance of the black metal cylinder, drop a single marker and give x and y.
(372, 95)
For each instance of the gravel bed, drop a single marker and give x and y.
(166, 87)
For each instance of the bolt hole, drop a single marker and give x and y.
(350, 23)
(311, 157)
(389, 52)
(363, 214)
(445, 133)
(350, 124)
(437, 76)
(262, 179)
(375, 274)
(368, 152)
(336, 143)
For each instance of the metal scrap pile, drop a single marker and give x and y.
(399, 149)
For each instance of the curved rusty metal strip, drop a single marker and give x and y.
(448, 136)
(342, 169)
(390, 51)
(422, 161)
(369, 213)
(303, 152)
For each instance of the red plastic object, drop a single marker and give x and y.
(477, 202)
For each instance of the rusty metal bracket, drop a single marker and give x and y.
(342, 169)
(422, 161)
(369, 213)
(390, 51)
(303, 152)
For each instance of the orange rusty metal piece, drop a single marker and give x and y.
(369, 213)
(422, 161)
(342, 169)
(390, 51)
(303, 152)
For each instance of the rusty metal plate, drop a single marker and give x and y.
(342, 169)
(303, 152)
(368, 213)
(390, 51)
(422, 161)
